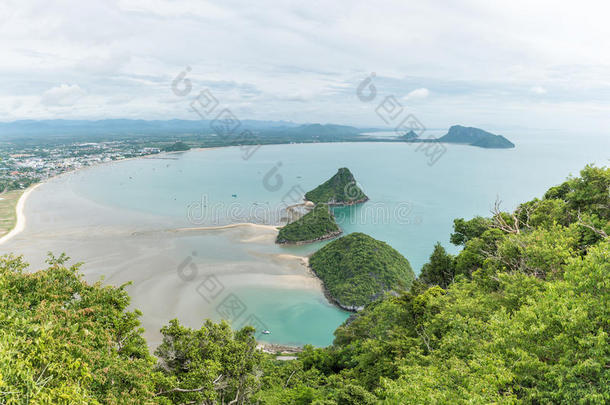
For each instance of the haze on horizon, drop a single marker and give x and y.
(521, 64)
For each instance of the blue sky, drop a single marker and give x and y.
(542, 64)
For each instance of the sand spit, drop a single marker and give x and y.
(20, 225)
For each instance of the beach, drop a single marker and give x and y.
(21, 219)
(166, 265)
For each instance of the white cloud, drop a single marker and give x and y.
(303, 60)
(417, 93)
(538, 90)
(62, 95)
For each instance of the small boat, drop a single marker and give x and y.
(234, 195)
(266, 332)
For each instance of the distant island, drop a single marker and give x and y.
(318, 224)
(341, 189)
(475, 137)
(79, 143)
(357, 268)
(177, 147)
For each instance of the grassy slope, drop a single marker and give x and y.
(8, 214)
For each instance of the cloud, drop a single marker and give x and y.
(538, 90)
(418, 93)
(302, 62)
(63, 95)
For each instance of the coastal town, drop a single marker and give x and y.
(22, 166)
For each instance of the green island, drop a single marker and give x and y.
(318, 224)
(356, 269)
(519, 316)
(341, 189)
(475, 137)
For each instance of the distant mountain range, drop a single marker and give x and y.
(266, 131)
(125, 127)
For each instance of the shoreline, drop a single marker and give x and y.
(329, 296)
(20, 210)
(229, 226)
(328, 236)
(20, 225)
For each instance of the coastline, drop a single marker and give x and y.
(330, 297)
(229, 226)
(328, 236)
(20, 225)
(21, 219)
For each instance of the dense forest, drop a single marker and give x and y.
(356, 269)
(317, 224)
(520, 315)
(341, 189)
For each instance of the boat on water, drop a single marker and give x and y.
(266, 332)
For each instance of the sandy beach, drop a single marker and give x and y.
(20, 225)
(230, 226)
(170, 265)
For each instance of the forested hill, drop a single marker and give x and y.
(357, 268)
(520, 316)
(341, 189)
(316, 225)
(475, 137)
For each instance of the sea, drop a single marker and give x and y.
(144, 223)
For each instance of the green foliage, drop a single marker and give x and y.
(338, 190)
(589, 193)
(211, 364)
(464, 230)
(440, 270)
(64, 341)
(178, 146)
(356, 269)
(317, 224)
(523, 316)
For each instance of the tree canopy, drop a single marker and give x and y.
(521, 315)
(317, 224)
(341, 189)
(356, 269)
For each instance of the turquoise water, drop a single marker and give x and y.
(412, 206)
(299, 316)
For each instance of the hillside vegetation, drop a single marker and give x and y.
(317, 224)
(341, 189)
(520, 316)
(356, 269)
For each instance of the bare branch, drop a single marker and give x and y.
(177, 389)
(499, 221)
(600, 232)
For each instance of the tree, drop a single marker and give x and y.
(463, 230)
(440, 270)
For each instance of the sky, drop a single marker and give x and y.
(518, 64)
